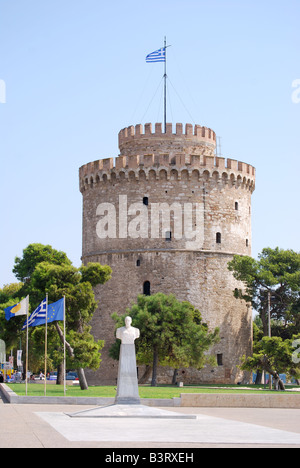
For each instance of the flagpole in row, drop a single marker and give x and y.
(46, 337)
(64, 345)
(27, 348)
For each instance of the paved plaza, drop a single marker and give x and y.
(50, 426)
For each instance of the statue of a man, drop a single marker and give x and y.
(128, 334)
(127, 389)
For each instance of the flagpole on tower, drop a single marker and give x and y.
(160, 55)
(165, 88)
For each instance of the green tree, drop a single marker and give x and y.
(277, 272)
(71, 282)
(274, 356)
(35, 254)
(46, 270)
(172, 333)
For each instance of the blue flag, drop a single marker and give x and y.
(157, 56)
(38, 317)
(17, 309)
(55, 313)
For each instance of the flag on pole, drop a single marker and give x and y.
(38, 317)
(157, 56)
(18, 309)
(55, 312)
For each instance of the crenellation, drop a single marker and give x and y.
(120, 162)
(179, 129)
(228, 169)
(169, 129)
(133, 161)
(108, 164)
(190, 130)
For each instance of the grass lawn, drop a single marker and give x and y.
(145, 391)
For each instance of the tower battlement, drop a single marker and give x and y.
(165, 166)
(137, 140)
(168, 155)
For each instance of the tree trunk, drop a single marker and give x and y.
(80, 372)
(60, 374)
(82, 379)
(258, 377)
(155, 364)
(61, 336)
(277, 380)
(146, 375)
(174, 380)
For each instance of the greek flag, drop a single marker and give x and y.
(38, 317)
(157, 56)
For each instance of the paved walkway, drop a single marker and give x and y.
(38, 426)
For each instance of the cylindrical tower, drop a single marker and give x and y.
(168, 215)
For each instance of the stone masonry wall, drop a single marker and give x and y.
(211, 195)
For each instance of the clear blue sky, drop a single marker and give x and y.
(75, 74)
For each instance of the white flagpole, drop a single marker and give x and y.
(64, 345)
(26, 366)
(46, 337)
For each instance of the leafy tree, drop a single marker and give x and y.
(274, 356)
(277, 272)
(46, 270)
(172, 333)
(71, 282)
(35, 254)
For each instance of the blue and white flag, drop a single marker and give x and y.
(55, 313)
(157, 56)
(38, 317)
(17, 309)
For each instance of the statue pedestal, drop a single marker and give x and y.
(127, 402)
(127, 389)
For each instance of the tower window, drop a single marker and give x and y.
(220, 359)
(146, 201)
(218, 238)
(138, 262)
(236, 205)
(168, 236)
(146, 288)
(247, 243)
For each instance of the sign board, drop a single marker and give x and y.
(2, 351)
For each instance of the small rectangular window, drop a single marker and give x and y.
(218, 238)
(168, 236)
(146, 201)
(236, 206)
(220, 359)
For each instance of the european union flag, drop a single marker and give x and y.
(56, 311)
